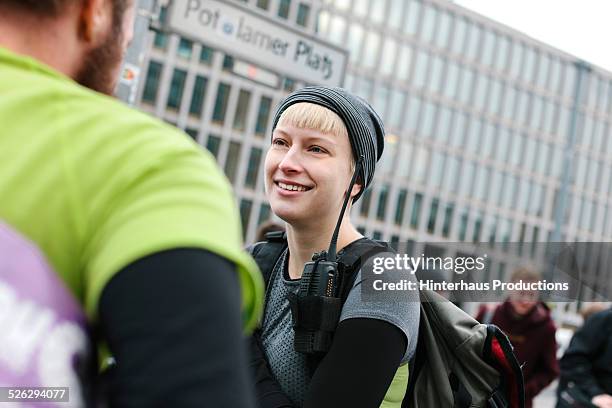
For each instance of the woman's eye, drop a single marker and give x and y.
(317, 149)
(279, 142)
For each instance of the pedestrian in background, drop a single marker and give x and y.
(527, 322)
(268, 226)
(586, 366)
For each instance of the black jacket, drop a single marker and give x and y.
(588, 360)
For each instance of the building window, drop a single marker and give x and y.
(435, 77)
(403, 63)
(253, 168)
(152, 82)
(443, 30)
(474, 37)
(463, 222)
(488, 47)
(388, 56)
(337, 27)
(283, 8)
(416, 210)
(382, 203)
(228, 63)
(421, 69)
(244, 97)
(492, 230)
(197, 98)
(360, 7)
(245, 214)
(212, 144)
(381, 96)
(428, 119)
(378, 13)
(264, 213)
(448, 219)
(177, 86)
(163, 14)
(160, 40)
(414, 14)
(223, 92)
(459, 36)
(399, 209)
(232, 160)
(263, 115)
(372, 45)
(288, 84)
(396, 13)
(433, 213)
(263, 4)
(396, 108)
(193, 133)
(394, 242)
(185, 48)
(467, 82)
(354, 42)
(477, 228)
(428, 23)
(206, 55)
(414, 108)
(303, 14)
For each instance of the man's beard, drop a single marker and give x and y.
(100, 68)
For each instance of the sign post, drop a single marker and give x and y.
(259, 40)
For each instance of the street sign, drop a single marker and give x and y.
(259, 40)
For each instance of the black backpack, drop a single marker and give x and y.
(459, 362)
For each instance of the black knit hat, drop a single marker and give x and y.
(365, 128)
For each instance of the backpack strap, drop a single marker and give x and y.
(498, 352)
(266, 253)
(350, 261)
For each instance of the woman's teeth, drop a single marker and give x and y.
(291, 187)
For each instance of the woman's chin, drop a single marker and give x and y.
(290, 214)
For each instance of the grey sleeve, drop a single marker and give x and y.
(399, 306)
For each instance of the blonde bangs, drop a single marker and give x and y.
(306, 115)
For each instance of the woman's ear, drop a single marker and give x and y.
(357, 187)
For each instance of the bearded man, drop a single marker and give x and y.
(117, 232)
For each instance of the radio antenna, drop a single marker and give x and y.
(331, 252)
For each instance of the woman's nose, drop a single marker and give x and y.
(291, 162)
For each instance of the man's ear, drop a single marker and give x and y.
(95, 19)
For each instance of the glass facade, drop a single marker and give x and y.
(479, 115)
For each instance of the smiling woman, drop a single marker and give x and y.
(318, 134)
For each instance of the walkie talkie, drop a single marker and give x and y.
(316, 307)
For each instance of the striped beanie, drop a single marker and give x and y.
(365, 128)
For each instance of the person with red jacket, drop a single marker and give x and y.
(529, 326)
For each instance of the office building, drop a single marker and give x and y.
(493, 136)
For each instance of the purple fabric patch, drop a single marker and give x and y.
(43, 330)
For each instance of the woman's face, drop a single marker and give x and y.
(306, 174)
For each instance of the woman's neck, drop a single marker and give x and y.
(304, 242)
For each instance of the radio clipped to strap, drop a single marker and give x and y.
(316, 307)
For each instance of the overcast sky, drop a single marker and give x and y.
(582, 28)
